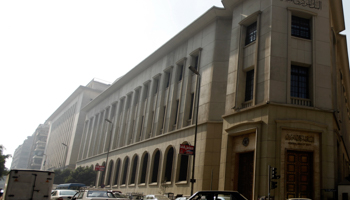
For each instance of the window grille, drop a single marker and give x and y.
(250, 33)
(301, 27)
(299, 82)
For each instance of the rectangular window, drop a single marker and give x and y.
(195, 62)
(176, 111)
(299, 82)
(301, 27)
(191, 105)
(164, 112)
(156, 86)
(249, 85)
(250, 33)
(181, 72)
(167, 80)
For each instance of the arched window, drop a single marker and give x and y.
(125, 170)
(109, 175)
(116, 178)
(133, 171)
(144, 168)
(155, 167)
(169, 165)
(183, 168)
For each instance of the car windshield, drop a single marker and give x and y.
(67, 192)
(100, 194)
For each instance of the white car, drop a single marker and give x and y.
(155, 197)
(62, 194)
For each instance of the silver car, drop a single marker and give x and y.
(62, 194)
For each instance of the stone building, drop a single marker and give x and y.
(21, 155)
(66, 125)
(36, 153)
(274, 89)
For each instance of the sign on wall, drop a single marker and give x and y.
(317, 4)
(186, 149)
(99, 168)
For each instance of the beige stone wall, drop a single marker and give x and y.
(207, 160)
(268, 125)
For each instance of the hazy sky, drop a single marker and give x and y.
(48, 48)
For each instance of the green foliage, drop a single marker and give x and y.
(3, 169)
(61, 176)
(79, 175)
(85, 175)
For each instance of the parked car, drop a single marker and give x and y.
(155, 197)
(62, 194)
(181, 198)
(94, 194)
(217, 195)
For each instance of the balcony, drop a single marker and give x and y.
(300, 101)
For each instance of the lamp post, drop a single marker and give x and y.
(196, 127)
(109, 142)
(65, 158)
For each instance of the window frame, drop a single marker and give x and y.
(300, 75)
(301, 27)
(251, 33)
(249, 87)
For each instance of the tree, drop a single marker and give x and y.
(61, 176)
(85, 175)
(3, 169)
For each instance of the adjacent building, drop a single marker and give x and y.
(21, 155)
(36, 154)
(66, 126)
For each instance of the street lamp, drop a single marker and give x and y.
(65, 158)
(195, 71)
(109, 143)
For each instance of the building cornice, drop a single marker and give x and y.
(204, 20)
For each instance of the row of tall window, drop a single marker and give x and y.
(148, 111)
(300, 27)
(146, 169)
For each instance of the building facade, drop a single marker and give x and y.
(66, 125)
(36, 154)
(273, 81)
(21, 155)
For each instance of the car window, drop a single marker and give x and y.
(54, 193)
(68, 192)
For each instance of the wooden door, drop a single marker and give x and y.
(299, 179)
(245, 174)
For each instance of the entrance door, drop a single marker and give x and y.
(299, 177)
(245, 174)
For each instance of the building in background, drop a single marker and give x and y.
(21, 155)
(66, 126)
(38, 146)
(274, 91)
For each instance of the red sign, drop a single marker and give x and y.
(186, 149)
(99, 168)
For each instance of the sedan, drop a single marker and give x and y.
(62, 194)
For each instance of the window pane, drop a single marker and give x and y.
(299, 82)
(300, 27)
(250, 34)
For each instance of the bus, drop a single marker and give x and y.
(70, 186)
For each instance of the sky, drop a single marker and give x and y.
(48, 48)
